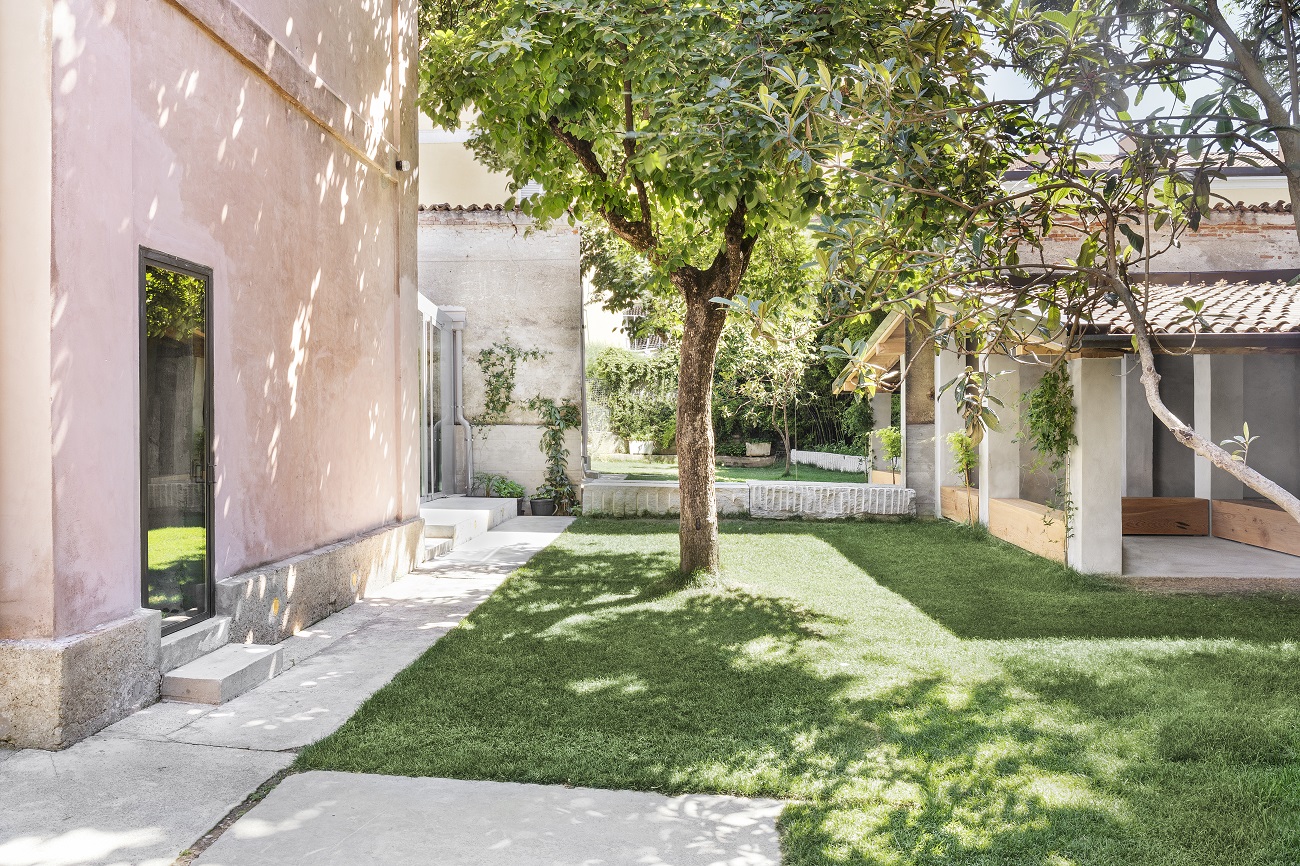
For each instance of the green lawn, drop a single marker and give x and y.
(644, 470)
(921, 694)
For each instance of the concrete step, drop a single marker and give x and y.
(223, 674)
(184, 646)
(462, 518)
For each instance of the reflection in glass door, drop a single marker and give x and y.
(175, 447)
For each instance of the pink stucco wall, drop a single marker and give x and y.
(165, 138)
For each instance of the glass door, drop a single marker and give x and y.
(431, 422)
(175, 446)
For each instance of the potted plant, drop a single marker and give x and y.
(542, 503)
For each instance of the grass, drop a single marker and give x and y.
(644, 470)
(920, 693)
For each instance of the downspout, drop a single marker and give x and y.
(458, 361)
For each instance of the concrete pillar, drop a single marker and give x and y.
(1096, 542)
(1218, 413)
(918, 423)
(1139, 451)
(948, 364)
(999, 469)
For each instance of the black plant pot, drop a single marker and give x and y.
(542, 507)
(520, 504)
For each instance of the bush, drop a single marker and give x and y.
(639, 392)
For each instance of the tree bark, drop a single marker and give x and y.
(696, 472)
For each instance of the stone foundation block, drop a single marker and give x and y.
(654, 499)
(273, 602)
(56, 692)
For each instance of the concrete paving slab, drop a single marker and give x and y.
(332, 819)
(141, 791)
(115, 800)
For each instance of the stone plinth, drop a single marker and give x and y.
(783, 499)
(271, 603)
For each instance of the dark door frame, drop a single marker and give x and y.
(190, 269)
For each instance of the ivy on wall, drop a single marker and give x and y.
(499, 364)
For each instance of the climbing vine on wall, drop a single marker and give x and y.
(1050, 418)
(500, 366)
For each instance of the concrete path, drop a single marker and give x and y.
(141, 791)
(346, 819)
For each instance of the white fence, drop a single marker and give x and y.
(826, 460)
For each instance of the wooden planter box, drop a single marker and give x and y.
(1256, 522)
(884, 476)
(1030, 526)
(1166, 515)
(959, 504)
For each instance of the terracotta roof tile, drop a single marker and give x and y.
(1230, 308)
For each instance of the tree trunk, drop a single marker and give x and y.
(784, 432)
(696, 472)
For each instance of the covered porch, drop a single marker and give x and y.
(1131, 500)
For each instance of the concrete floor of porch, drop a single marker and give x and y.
(1163, 563)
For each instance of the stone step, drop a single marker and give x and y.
(223, 674)
(462, 518)
(184, 646)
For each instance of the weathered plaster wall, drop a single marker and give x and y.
(520, 286)
(165, 138)
(1174, 464)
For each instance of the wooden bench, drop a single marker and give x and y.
(1256, 522)
(959, 504)
(1030, 526)
(1166, 515)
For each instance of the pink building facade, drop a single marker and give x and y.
(208, 327)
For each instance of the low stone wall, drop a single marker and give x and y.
(784, 499)
(654, 499)
(774, 499)
(271, 603)
(834, 462)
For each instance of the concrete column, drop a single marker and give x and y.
(1096, 543)
(999, 469)
(1218, 413)
(918, 423)
(948, 364)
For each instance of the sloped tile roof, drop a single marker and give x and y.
(1230, 308)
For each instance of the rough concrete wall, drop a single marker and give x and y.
(518, 286)
(1272, 408)
(165, 137)
(1174, 464)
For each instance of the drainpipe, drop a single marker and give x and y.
(455, 319)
